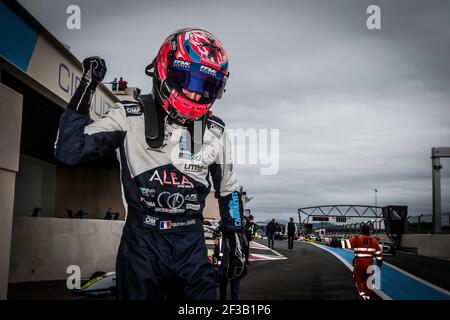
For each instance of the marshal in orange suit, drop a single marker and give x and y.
(366, 248)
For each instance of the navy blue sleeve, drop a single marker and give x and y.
(79, 141)
(230, 203)
(224, 179)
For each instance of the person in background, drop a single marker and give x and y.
(270, 232)
(366, 248)
(249, 232)
(36, 212)
(109, 214)
(114, 85)
(291, 229)
(122, 84)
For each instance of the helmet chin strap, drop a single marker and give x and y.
(149, 68)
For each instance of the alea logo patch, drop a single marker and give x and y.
(171, 178)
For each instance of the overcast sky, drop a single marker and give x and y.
(357, 109)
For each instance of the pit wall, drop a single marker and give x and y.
(430, 245)
(92, 189)
(35, 187)
(10, 130)
(43, 248)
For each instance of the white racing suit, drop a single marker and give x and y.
(164, 192)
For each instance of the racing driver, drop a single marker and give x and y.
(169, 146)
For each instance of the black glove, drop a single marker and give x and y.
(235, 242)
(94, 71)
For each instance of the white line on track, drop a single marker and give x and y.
(258, 246)
(435, 287)
(267, 257)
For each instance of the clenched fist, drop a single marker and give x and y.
(94, 69)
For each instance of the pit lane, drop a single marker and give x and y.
(306, 272)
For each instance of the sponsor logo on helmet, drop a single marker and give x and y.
(208, 70)
(181, 64)
(174, 44)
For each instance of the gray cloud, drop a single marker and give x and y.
(356, 109)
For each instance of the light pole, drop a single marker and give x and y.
(376, 191)
(376, 210)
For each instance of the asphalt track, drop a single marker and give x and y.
(308, 273)
(396, 283)
(433, 270)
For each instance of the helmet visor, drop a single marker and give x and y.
(199, 78)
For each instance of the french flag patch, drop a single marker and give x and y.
(164, 225)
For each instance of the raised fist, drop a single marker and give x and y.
(94, 69)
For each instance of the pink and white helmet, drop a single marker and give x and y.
(194, 61)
